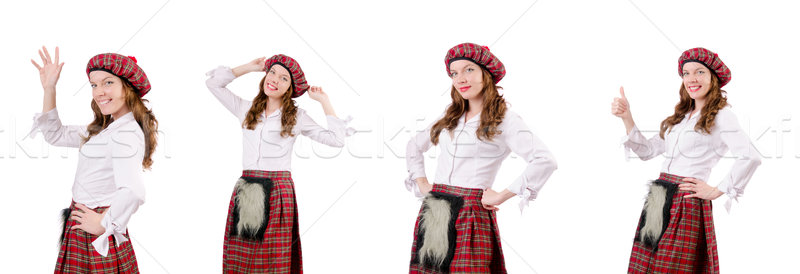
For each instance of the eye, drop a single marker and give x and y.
(453, 74)
(470, 69)
(285, 79)
(93, 85)
(271, 72)
(685, 73)
(108, 83)
(701, 72)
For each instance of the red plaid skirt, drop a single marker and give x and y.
(688, 245)
(477, 238)
(280, 251)
(77, 255)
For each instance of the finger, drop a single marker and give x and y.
(76, 227)
(691, 196)
(44, 60)
(622, 92)
(690, 180)
(59, 68)
(36, 65)
(56, 55)
(47, 54)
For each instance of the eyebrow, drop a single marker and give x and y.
(685, 70)
(107, 77)
(465, 66)
(281, 75)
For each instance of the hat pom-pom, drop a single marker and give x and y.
(133, 58)
(486, 48)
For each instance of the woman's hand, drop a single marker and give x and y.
(50, 69)
(88, 220)
(700, 188)
(424, 186)
(317, 94)
(492, 199)
(252, 66)
(621, 109)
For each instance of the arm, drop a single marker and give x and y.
(333, 136)
(645, 148)
(222, 76)
(747, 157)
(541, 163)
(417, 181)
(127, 153)
(48, 121)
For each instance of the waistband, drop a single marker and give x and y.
(675, 179)
(266, 174)
(466, 193)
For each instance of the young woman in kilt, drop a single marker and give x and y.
(114, 149)
(261, 234)
(456, 230)
(676, 230)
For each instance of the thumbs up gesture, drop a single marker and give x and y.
(620, 107)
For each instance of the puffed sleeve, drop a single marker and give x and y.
(415, 161)
(645, 148)
(127, 152)
(217, 83)
(54, 132)
(747, 157)
(541, 162)
(332, 136)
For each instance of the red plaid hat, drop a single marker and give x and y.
(479, 55)
(124, 67)
(709, 59)
(298, 77)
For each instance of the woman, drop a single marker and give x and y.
(456, 230)
(261, 234)
(676, 229)
(114, 149)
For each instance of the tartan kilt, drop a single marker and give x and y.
(279, 251)
(687, 245)
(77, 255)
(477, 247)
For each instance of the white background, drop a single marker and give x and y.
(382, 63)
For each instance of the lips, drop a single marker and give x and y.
(463, 89)
(694, 88)
(271, 87)
(103, 102)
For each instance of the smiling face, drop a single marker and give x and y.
(277, 82)
(108, 93)
(467, 79)
(696, 80)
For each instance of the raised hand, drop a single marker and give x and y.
(50, 70)
(317, 94)
(252, 66)
(620, 107)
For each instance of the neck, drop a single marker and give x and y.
(475, 106)
(119, 114)
(273, 105)
(698, 104)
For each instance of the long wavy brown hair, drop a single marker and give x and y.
(143, 116)
(715, 100)
(288, 110)
(494, 109)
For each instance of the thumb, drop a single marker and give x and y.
(622, 92)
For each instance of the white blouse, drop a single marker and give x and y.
(263, 148)
(109, 169)
(469, 162)
(692, 154)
